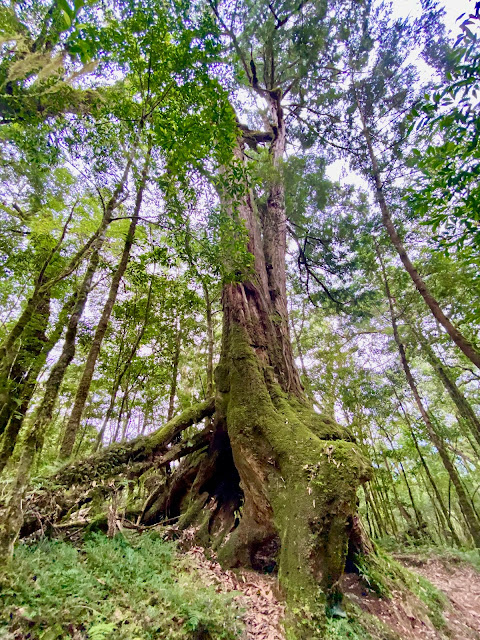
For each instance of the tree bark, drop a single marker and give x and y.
(174, 381)
(73, 424)
(23, 376)
(210, 339)
(298, 473)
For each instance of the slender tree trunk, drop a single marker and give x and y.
(116, 433)
(19, 357)
(406, 516)
(436, 490)
(73, 424)
(464, 408)
(124, 369)
(176, 360)
(127, 418)
(471, 519)
(433, 484)
(441, 528)
(210, 340)
(53, 385)
(39, 298)
(420, 521)
(305, 375)
(458, 338)
(384, 503)
(381, 531)
(418, 516)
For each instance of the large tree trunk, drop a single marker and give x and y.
(298, 472)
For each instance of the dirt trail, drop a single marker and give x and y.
(402, 617)
(461, 584)
(263, 612)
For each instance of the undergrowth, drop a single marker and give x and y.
(427, 551)
(358, 625)
(383, 574)
(131, 588)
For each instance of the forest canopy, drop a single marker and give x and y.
(239, 284)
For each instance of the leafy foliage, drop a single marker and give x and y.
(447, 193)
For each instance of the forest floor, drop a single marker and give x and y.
(127, 586)
(457, 580)
(460, 582)
(256, 595)
(399, 617)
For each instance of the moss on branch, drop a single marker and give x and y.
(109, 461)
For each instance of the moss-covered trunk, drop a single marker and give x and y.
(298, 471)
(19, 382)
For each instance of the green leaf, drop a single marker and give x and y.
(66, 8)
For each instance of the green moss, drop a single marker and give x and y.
(311, 475)
(358, 625)
(135, 587)
(109, 461)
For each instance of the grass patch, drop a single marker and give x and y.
(124, 588)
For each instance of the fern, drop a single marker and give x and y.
(133, 588)
(100, 631)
